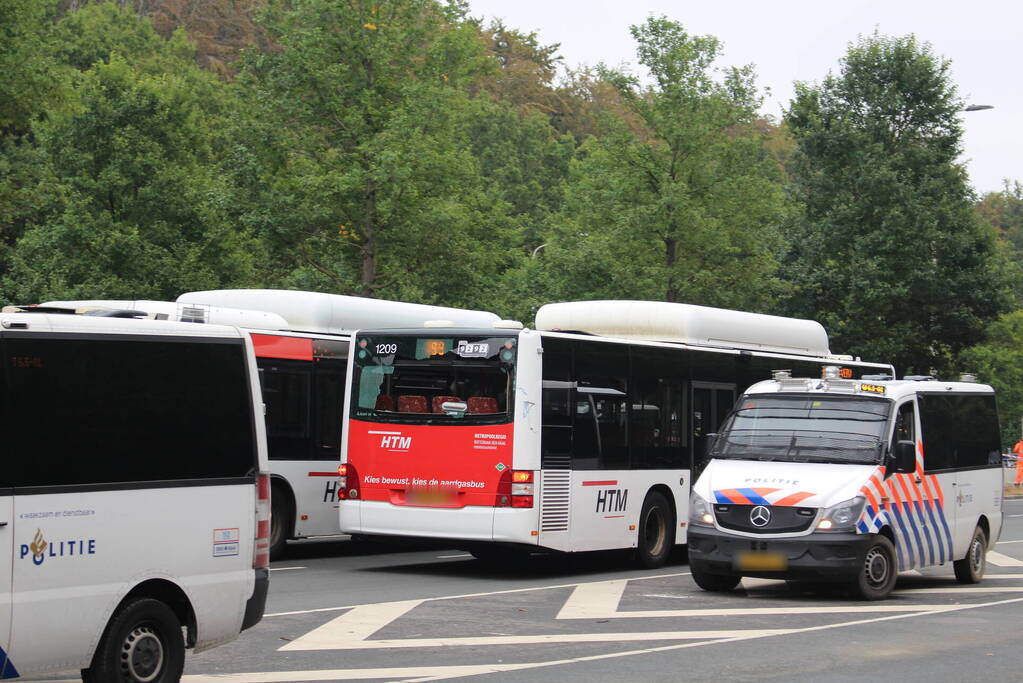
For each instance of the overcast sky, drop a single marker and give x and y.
(790, 40)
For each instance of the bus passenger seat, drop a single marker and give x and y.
(384, 402)
(438, 401)
(482, 404)
(412, 404)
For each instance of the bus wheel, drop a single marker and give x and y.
(971, 568)
(280, 514)
(142, 643)
(715, 583)
(876, 578)
(656, 531)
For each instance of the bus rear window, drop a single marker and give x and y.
(443, 379)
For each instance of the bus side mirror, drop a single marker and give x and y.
(905, 457)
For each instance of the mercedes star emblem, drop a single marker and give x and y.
(760, 516)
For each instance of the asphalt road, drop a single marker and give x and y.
(342, 611)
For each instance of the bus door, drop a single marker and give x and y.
(711, 403)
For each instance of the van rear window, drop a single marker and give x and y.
(87, 410)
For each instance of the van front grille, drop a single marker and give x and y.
(783, 518)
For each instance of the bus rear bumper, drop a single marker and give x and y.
(470, 523)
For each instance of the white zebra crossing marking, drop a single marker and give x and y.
(1000, 560)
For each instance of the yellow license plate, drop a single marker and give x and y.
(760, 561)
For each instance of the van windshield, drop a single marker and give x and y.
(834, 429)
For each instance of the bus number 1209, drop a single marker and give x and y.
(386, 349)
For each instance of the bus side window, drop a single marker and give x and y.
(328, 396)
(655, 422)
(600, 433)
(556, 404)
(286, 393)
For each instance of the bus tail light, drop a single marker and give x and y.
(261, 547)
(522, 488)
(348, 482)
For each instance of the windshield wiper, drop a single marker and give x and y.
(792, 444)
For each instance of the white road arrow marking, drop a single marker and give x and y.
(594, 600)
(354, 626)
(423, 674)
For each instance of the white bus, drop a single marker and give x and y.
(301, 342)
(577, 436)
(134, 497)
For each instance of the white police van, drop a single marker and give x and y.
(134, 499)
(849, 481)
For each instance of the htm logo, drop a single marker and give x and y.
(612, 500)
(396, 443)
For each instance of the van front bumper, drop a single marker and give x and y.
(820, 556)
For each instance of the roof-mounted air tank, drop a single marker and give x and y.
(686, 323)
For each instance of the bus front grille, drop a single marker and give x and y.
(555, 497)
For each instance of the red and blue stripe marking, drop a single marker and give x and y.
(760, 496)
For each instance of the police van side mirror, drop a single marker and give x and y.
(708, 445)
(905, 457)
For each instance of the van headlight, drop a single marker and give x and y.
(842, 516)
(700, 511)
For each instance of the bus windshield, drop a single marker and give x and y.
(443, 379)
(832, 429)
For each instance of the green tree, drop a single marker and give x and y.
(679, 201)
(998, 361)
(525, 73)
(888, 254)
(1004, 211)
(523, 161)
(31, 77)
(91, 33)
(144, 211)
(32, 80)
(372, 184)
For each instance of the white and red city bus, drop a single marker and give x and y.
(301, 342)
(581, 435)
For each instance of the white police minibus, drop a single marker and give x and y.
(134, 499)
(849, 481)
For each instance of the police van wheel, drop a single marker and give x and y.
(715, 583)
(876, 578)
(656, 531)
(971, 568)
(142, 643)
(280, 513)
